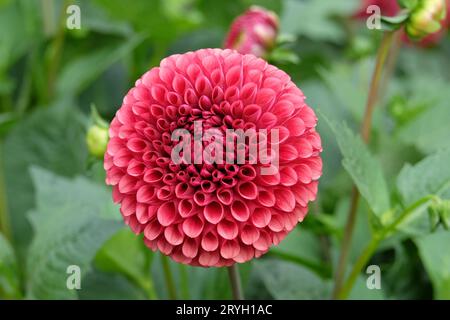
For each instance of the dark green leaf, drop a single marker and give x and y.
(106, 286)
(78, 74)
(429, 176)
(408, 4)
(302, 247)
(314, 19)
(363, 167)
(436, 258)
(67, 232)
(52, 138)
(285, 280)
(9, 271)
(126, 253)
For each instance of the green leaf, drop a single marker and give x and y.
(126, 253)
(396, 19)
(18, 16)
(99, 285)
(285, 280)
(303, 248)
(429, 176)
(7, 121)
(314, 18)
(408, 4)
(96, 19)
(402, 277)
(362, 231)
(166, 19)
(393, 23)
(363, 167)
(360, 290)
(51, 138)
(67, 232)
(282, 56)
(429, 131)
(78, 74)
(9, 271)
(348, 85)
(435, 254)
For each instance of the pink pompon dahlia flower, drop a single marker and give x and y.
(205, 213)
(253, 32)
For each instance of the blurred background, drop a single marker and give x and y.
(55, 210)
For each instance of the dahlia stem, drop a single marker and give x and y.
(365, 133)
(184, 282)
(170, 284)
(5, 226)
(346, 243)
(235, 281)
(57, 49)
(391, 62)
(370, 249)
(147, 286)
(383, 52)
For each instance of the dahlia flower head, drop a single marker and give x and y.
(255, 32)
(212, 214)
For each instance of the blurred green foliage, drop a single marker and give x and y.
(59, 212)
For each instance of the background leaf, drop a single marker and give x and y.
(9, 271)
(302, 247)
(126, 253)
(51, 138)
(78, 74)
(312, 18)
(285, 280)
(363, 167)
(436, 259)
(67, 232)
(429, 176)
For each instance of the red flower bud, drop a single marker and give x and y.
(253, 32)
(427, 18)
(391, 8)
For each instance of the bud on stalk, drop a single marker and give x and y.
(426, 18)
(253, 32)
(97, 140)
(97, 136)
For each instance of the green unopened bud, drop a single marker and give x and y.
(439, 214)
(426, 18)
(97, 139)
(97, 136)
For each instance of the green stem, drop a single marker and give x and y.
(57, 50)
(23, 99)
(357, 268)
(5, 226)
(170, 284)
(48, 20)
(382, 54)
(365, 133)
(235, 281)
(184, 282)
(368, 252)
(147, 286)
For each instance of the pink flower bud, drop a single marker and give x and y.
(415, 25)
(253, 32)
(428, 18)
